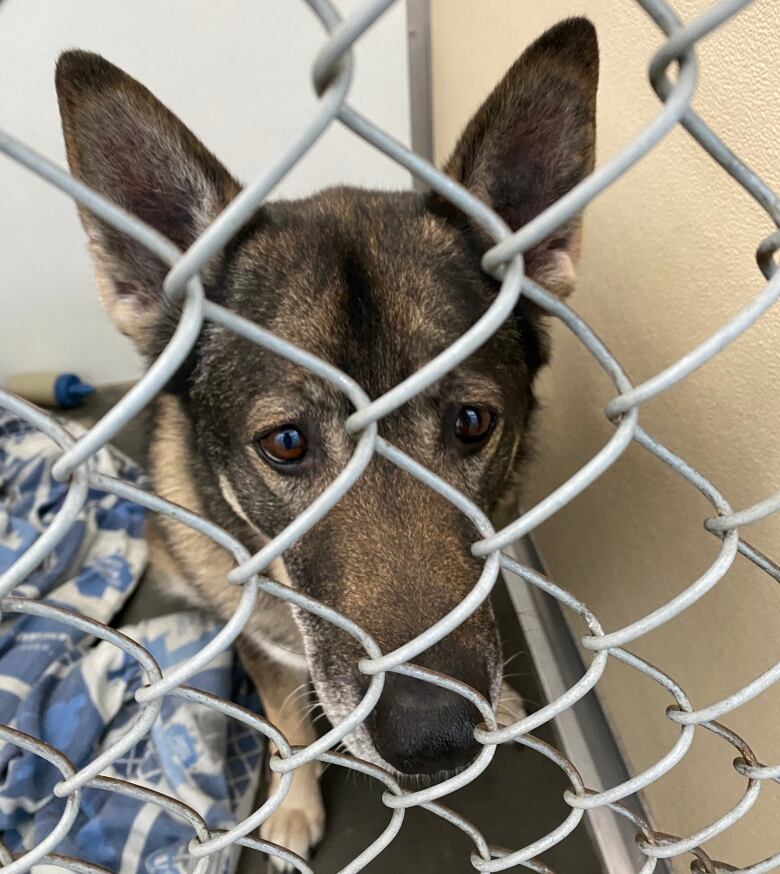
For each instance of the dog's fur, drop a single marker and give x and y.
(375, 283)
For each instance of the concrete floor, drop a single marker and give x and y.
(517, 800)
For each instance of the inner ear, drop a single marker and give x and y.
(122, 142)
(533, 140)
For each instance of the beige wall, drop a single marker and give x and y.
(668, 257)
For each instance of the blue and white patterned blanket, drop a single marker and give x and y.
(76, 693)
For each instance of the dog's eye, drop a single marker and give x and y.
(473, 426)
(285, 445)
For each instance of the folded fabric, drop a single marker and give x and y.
(77, 693)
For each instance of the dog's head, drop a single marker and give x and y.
(376, 283)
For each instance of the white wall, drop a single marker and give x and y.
(236, 72)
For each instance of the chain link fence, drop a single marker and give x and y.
(332, 74)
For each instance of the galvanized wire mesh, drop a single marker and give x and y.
(332, 74)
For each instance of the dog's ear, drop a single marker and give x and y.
(124, 143)
(533, 139)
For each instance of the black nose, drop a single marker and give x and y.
(419, 728)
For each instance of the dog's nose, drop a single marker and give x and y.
(419, 728)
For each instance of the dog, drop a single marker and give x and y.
(376, 283)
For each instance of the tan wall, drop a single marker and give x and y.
(668, 257)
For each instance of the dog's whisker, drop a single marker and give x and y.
(512, 658)
(292, 695)
(302, 701)
(311, 707)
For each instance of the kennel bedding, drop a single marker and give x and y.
(77, 693)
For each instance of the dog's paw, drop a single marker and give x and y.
(299, 821)
(511, 707)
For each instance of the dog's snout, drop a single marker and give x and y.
(419, 728)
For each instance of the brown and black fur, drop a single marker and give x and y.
(375, 283)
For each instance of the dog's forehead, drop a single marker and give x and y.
(372, 282)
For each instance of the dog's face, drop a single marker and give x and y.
(376, 284)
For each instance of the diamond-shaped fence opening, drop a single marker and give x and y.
(673, 74)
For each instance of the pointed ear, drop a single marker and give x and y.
(124, 143)
(533, 139)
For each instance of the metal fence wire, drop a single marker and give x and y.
(332, 73)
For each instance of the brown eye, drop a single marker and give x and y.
(473, 426)
(285, 445)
